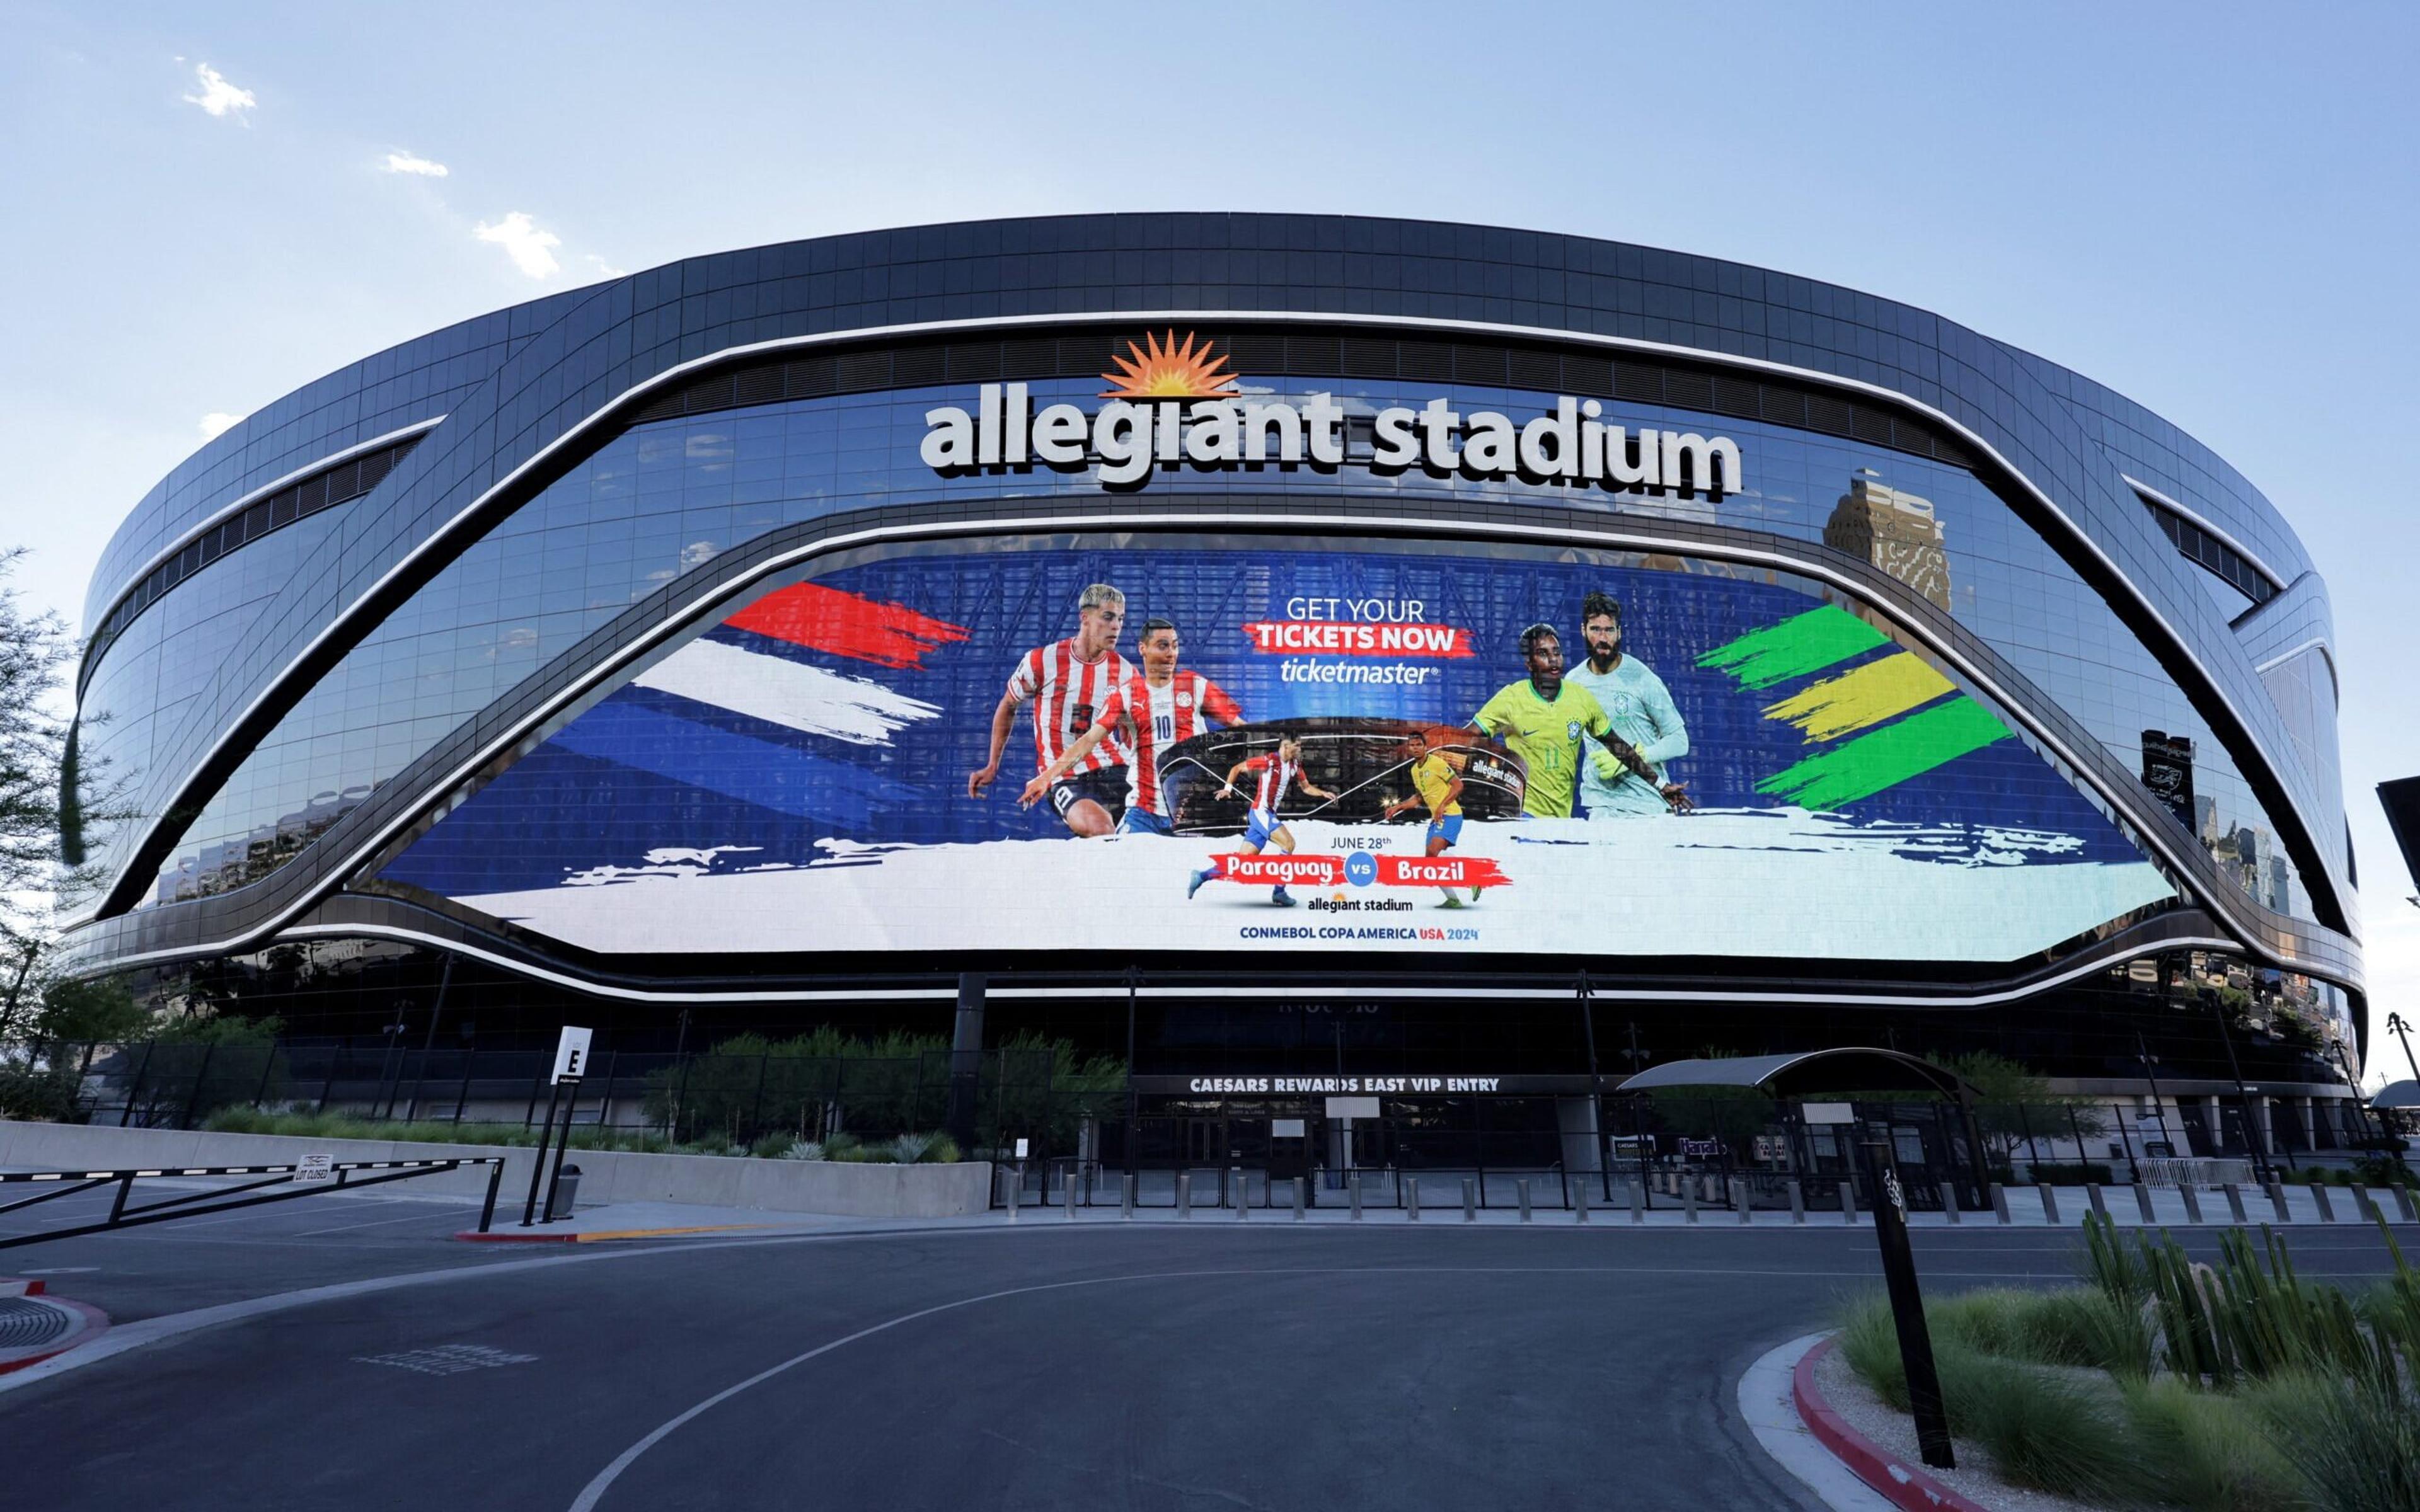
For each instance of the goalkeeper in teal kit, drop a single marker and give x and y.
(1635, 699)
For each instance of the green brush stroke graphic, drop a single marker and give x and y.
(1798, 645)
(1889, 757)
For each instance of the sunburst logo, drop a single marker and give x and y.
(1164, 370)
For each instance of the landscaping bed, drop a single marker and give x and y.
(2162, 1382)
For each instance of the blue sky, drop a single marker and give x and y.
(2208, 206)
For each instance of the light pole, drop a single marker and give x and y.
(2402, 1030)
(2159, 1110)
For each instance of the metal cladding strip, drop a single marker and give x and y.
(678, 621)
(243, 501)
(2097, 961)
(2203, 523)
(601, 417)
(1906, 1485)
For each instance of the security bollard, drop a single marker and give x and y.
(1297, 1199)
(1579, 1203)
(1243, 1196)
(1797, 1201)
(2000, 1203)
(1470, 1200)
(1067, 1195)
(1739, 1199)
(1522, 1187)
(2143, 1202)
(1015, 1175)
(2327, 1208)
(1689, 1200)
(2278, 1200)
(1848, 1199)
(2092, 1195)
(1949, 1201)
(1126, 1195)
(1184, 1194)
(2050, 1202)
(2192, 1201)
(1355, 1187)
(2365, 1205)
(1638, 1201)
(2234, 1200)
(2403, 1200)
(1411, 1199)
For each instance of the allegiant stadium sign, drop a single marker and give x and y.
(1173, 407)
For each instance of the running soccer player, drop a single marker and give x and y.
(1067, 681)
(1437, 781)
(1547, 724)
(1634, 698)
(1278, 771)
(1154, 711)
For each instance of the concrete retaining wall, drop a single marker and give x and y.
(606, 1176)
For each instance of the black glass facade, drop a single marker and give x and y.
(278, 706)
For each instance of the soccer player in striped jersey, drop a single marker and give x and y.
(1154, 710)
(1068, 682)
(1278, 771)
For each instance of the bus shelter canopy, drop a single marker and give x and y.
(1806, 1073)
(2403, 1094)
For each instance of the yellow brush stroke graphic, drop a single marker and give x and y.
(1877, 691)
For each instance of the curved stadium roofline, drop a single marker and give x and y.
(495, 393)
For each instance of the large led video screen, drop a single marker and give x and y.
(1146, 744)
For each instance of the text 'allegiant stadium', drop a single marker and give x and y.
(1569, 444)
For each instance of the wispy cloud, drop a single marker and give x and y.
(219, 97)
(413, 163)
(531, 249)
(604, 268)
(215, 422)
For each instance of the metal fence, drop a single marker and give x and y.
(1062, 1129)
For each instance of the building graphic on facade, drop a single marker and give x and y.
(638, 653)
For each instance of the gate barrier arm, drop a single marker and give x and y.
(122, 1216)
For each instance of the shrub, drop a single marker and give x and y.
(39, 1095)
(803, 1149)
(2092, 1173)
(2354, 1448)
(2376, 1169)
(773, 1146)
(1870, 1342)
(2206, 1451)
(2041, 1428)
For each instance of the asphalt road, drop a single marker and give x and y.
(1150, 1368)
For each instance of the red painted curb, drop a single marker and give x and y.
(27, 1286)
(1907, 1486)
(95, 1324)
(475, 1237)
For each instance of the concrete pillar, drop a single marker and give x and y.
(2258, 1127)
(1575, 1119)
(2214, 1118)
(965, 1061)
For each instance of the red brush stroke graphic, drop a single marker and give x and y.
(1267, 871)
(864, 630)
(1338, 638)
(1441, 871)
(1276, 869)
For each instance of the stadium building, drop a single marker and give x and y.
(1436, 657)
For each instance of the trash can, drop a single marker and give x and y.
(566, 1191)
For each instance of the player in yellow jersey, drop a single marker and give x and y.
(1437, 781)
(1547, 722)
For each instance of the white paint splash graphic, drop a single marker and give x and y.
(788, 693)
